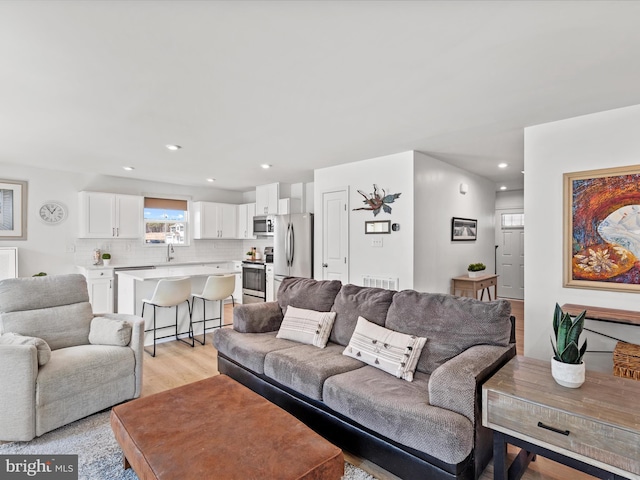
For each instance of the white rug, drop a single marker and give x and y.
(99, 455)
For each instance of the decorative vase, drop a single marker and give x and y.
(569, 375)
(477, 274)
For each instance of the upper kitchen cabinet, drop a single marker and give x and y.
(110, 215)
(267, 197)
(214, 220)
(246, 213)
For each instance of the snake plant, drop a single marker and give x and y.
(567, 332)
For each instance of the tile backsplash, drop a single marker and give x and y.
(133, 252)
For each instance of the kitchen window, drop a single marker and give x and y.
(165, 221)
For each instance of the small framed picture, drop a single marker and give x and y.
(377, 226)
(464, 229)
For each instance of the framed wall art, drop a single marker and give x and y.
(464, 229)
(602, 229)
(13, 210)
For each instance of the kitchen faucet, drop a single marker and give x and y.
(169, 252)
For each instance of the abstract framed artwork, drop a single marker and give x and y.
(13, 210)
(602, 229)
(464, 229)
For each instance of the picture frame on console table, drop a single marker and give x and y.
(464, 229)
(13, 210)
(601, 229)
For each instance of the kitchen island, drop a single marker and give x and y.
(134, 285)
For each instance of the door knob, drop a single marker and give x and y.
(325, 265)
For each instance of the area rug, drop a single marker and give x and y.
(99, 455)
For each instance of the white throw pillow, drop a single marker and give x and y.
(307, 326)
(393, 352)
(107, 331)
(42, 347)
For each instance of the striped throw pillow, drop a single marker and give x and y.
(307, 326)
(393, 352)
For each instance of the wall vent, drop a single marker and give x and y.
(389, 283)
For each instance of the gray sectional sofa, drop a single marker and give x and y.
(427, 428)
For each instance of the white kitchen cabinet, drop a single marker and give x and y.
(289, 205)
(110, 215)
(246, 212)
(237, 292)
(100, 287)
(214, 220)
(270, 280)
(8, 262)
(267, 197)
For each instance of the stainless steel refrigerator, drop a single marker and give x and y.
(292, 247)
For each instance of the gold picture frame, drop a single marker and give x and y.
(13, 210)
(601, 246)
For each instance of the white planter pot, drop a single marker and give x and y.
(481, 273)
(569, 375)
(106, 262)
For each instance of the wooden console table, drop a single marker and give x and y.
(594, 428)
(627, 317)
(466, 285)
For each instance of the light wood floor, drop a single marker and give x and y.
(177, 364)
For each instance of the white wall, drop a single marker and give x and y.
(437, 200)
(601, 140)
(509, 199)
(394, 174)
(421, 253)
(50, 248)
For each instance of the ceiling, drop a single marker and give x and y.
(92, 86)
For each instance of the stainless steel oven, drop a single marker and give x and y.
(254, 282)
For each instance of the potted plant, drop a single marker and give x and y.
(106, 258)
(567, 367)
(249, 255)
(476, 270)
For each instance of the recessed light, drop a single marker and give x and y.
(503, 165)
(128, 169)
(211, 179)
(173, 148)
(503, 187)
(266, 165)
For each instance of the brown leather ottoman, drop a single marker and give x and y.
(219, 429)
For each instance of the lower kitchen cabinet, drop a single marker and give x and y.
(270, 291)
(100, 287)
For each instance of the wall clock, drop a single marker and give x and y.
(52, 212)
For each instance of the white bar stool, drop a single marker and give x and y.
(217, 288)
(169, 293)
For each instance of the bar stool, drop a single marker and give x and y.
(169, 293)
(217, 288)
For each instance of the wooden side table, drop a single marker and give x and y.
(468, 285)
(594, 428)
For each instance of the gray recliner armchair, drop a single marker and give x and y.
(59, 362)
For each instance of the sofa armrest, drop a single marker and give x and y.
(136, 343)
(18, 392)
(454, 385)
(257, 317)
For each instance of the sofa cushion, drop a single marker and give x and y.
(392, 352)
(305, 368)
(306, 326)
(451, 324)
(400, 411)
(33, 293)
(107, 331)
(61, 327)
(42, 348)
(353, 301)
(308, 293)
(249, 349)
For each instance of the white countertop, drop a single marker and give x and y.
(157, 264)
(176, 272)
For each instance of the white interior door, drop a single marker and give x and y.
(335, 235)
(510, 254)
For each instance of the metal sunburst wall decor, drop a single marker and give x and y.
(377, 201)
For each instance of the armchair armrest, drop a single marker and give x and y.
(454, 385)
(136, 343)
(257, 317)
(18, 392)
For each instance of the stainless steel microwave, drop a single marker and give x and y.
(264, 225)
